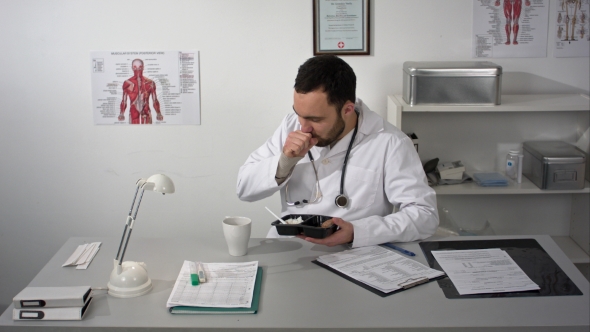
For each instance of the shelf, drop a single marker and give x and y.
(526, 187)
(512, 103)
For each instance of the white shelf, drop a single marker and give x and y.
(526, 187)
(565, 117)
(512, 103)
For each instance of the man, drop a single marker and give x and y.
(380, 165)
(139, 89)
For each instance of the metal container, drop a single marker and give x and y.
(452, 83)
(554, 165)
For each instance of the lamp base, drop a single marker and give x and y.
(130, 279)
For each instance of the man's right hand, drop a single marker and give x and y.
(298, 143)
(121, 117)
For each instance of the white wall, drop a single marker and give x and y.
(61, 176)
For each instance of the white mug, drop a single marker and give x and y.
(237, 234)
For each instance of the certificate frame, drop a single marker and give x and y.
(341, 27)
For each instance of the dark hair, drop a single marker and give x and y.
(330, 73)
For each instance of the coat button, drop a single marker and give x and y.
(326, 161)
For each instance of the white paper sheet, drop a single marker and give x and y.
(83, 255)
(379, 268)
(483, 271)
(229, 285)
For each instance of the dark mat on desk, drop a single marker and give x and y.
(527, 253)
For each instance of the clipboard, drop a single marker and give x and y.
(528, 255)
(405, 285)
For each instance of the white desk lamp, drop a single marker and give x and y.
(130, 279)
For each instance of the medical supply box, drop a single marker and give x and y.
(452, 83)
(554, 165)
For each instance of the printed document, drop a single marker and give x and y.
(483, 271)
(379, 268)
(228, 285)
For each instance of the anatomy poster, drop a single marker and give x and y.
(510, 28)
(571, 36)
(145, 87)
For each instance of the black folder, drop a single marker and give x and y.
(526, 253)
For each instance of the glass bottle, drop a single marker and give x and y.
(512, 164)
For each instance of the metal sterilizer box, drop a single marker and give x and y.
(452, 82)
(554, 165)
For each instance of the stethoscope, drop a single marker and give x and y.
(341, 200)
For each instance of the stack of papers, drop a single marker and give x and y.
(482, 271)
(228, 285)
(83, 255)
(380, 268)
(451, 170)
(490, 179)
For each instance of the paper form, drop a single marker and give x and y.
(83, 255)
(378, 267)
(483, 271)
(228, 285)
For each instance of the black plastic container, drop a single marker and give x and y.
(311, 226)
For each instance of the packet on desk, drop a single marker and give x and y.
(52, 297)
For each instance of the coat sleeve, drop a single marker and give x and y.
(404, 184)
(256, 178)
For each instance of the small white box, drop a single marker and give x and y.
(451, 170)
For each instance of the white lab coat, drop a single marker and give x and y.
(383, 170)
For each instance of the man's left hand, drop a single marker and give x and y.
(344, 235)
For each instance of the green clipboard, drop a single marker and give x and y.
(189, 310)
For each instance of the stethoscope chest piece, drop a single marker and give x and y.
(341, 201)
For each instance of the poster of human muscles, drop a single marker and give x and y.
(145, 87)
(510, 28)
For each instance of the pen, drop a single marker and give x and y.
(194, 276)
(402, 250)
(202, 277)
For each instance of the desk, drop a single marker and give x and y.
(297, 294)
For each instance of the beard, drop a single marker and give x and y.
(333, 134)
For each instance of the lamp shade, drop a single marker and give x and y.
(159, 183)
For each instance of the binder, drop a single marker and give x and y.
(189, 310)
(51, 297)
(526, 253)
(63, 313)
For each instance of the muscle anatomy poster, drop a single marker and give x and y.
(145, 87)
(510, 28)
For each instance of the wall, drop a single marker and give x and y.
(61, 176)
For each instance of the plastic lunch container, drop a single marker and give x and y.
(311, 226)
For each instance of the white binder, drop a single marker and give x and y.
(51, 297)
(64, 313)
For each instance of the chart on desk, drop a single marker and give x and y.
(229, 285)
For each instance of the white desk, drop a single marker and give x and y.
(297, 294)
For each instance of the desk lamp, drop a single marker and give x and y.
(130, 279)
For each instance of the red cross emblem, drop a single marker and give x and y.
(340, 44)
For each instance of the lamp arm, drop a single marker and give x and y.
(132, 221)
(127, 222)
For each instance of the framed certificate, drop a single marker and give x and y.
(341, 27)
